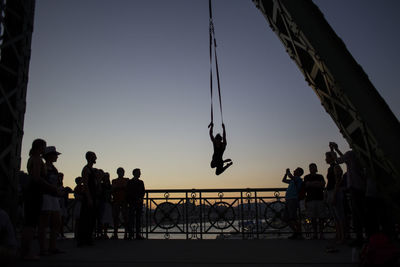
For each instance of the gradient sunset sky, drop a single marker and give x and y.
(129, 80)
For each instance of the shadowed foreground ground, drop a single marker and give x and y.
(168, 253)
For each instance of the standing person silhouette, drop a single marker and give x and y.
(135, 193)
(79, 195)
(292, 201)
(219, 144)
(50, 216)
(106, 218)
(119, 204)
(88, 212)
(356, 185)
(33, 197)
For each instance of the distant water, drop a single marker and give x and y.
(232, 232)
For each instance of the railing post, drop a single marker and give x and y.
(147, 215)
(201, 215)
(241, 213)
(257, 219)
(186, 220)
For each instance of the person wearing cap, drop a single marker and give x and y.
(50, 214)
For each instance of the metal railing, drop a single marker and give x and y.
(250, 213)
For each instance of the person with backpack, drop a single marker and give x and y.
(292, 201)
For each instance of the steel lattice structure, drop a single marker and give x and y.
(16, 26)
(344, 89)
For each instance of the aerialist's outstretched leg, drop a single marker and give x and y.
(220, 169)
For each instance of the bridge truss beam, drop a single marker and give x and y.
(16, 27)
(344, 89)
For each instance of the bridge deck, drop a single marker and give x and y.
(273, 252)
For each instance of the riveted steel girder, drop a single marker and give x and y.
(344, 89)
(16, 26)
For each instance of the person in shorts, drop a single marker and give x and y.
(314, 186)
(292, 200)
(50, 217)
(119, 204)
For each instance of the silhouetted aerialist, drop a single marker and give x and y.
(219, 144)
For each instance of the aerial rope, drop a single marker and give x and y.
(213, 46)
(219, 142)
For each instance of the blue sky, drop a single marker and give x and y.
(129, 80)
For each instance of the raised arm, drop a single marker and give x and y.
(335, 148)
(285, 179)
(289, 174)
(211, 126)
(224, 133)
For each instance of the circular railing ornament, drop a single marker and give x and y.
(221, 215)
(167, 215)
(274, 215)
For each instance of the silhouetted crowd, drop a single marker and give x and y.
(103, 204)
(98, 205)
(352, 198)
(361, 214)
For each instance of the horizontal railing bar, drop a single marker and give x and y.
(245, 212)
(198, 198)
(214, 190)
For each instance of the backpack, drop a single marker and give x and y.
(302, 192)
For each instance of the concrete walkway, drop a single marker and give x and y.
(166, 253)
